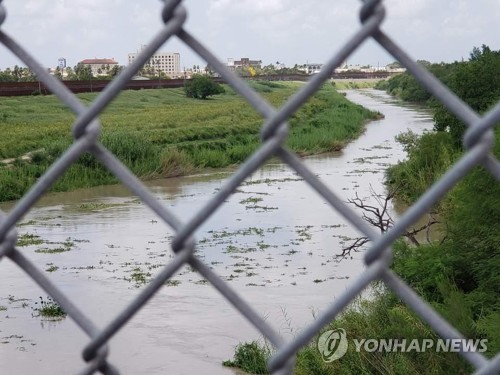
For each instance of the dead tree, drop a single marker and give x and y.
(379, 216)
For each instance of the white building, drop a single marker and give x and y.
(61, 62)
(310, 68)
(168, 63)
(100, 67)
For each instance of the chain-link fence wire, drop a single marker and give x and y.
(86, 130)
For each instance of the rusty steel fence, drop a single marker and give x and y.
(478, 141)
(30, 88)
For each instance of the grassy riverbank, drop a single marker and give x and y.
(161, 133)
(383, 317)
(346, 84)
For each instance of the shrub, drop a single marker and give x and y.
(201, 87)
(250, 357)
(429, 156)
(50, 309)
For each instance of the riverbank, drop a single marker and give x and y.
(161, 133)
(460, 273)
(354, 84)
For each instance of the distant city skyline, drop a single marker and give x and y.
(287, 31)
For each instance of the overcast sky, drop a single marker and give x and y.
(289, 31)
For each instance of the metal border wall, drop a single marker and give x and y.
(86, 129)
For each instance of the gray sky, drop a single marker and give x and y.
(289, 31)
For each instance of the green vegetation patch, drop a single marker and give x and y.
(475, 81)
(457, 275)
(161, 133)
(97, 206)
(251, 357)
(48, 308)
(29, 239)
(51, 267)
(346, 84)
(54, 250)
(139, 276)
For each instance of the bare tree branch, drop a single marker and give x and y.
(380, 218)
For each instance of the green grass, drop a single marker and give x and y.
(345, 84)
(429, 156)
(382, 317)
(49, 308)
(251, 357)
(161, 133)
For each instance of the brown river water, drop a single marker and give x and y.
(274, 241)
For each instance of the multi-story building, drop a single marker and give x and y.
(61, 62)
(168, 63)
(243, 62)
(310, 68)
(100, 67)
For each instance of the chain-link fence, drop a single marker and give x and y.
(86, 130)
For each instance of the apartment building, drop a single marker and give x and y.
(168, 63)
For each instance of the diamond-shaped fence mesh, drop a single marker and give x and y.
(86, 130)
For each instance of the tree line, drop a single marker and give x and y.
(79, 72)
(476, 82)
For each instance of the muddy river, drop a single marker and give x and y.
(275, 241)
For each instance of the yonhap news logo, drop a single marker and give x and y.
(333, 344)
